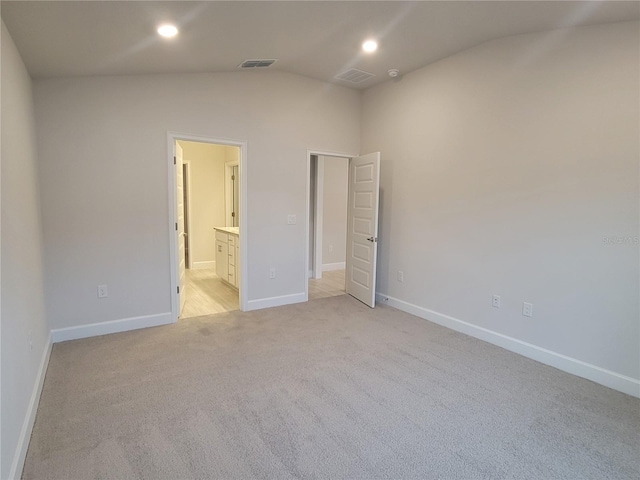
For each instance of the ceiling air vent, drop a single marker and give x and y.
(257, 63)
(354, 75)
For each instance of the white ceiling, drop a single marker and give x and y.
(315, 39)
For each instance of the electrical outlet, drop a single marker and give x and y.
(495, 301)
(291, 220)
(330, 248)
(272, 273)
(400, 276)
(30, 341)
(102, 291)
(527, 309)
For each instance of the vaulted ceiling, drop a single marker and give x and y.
(314, 39)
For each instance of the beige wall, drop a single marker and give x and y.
(207, 196)
(22, 298)
(103, 144)
(505, 169)
(334, 224)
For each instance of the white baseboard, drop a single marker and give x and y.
(113, 326)
(622, 383)
(276, 301)
(327, 267)
(203, 265)
(30, 417)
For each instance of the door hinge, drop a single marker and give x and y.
(178, 290)
(174, 160)
(233, 214)
(233, 177)
(176, 226)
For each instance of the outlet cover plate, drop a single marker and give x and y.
(495, 301)
(103, 292)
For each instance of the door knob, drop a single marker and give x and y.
(371, 239)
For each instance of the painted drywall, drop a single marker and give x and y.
(206, 162)
(512, 169)
(25, 332)
(334, 212)
(103, 159)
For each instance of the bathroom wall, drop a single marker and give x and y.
(207, 197)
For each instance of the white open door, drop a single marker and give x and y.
(182, 296)
(362, 227)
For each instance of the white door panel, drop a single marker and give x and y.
(182, 296)
(362, 231)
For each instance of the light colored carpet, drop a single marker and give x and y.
(327, 389)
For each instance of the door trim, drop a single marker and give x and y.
(243, 288)
(317, 232)
(318, 218)
(187, 189)
(227, 191)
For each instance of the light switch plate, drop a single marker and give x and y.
(291, 220)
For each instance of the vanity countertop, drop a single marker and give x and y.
(231, 230)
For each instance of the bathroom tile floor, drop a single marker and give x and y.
(207, 294)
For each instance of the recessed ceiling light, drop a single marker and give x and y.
(370, 46)
(167, 30)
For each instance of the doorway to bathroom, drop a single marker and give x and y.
(207, 219)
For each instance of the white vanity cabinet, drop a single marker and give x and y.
(227, 254)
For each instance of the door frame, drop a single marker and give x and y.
(318, 218)
(243, 287)
(187, 216)
(228, 194)
(317, 214)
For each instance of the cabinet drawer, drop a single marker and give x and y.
(222, 259)
(232, 277)
(232, 239)
(222, 236)
(232, 255)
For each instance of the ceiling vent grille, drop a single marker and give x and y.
(257, 63)
(353, 75)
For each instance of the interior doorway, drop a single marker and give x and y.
(207, 247)
(328, 182)
(362, 207)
